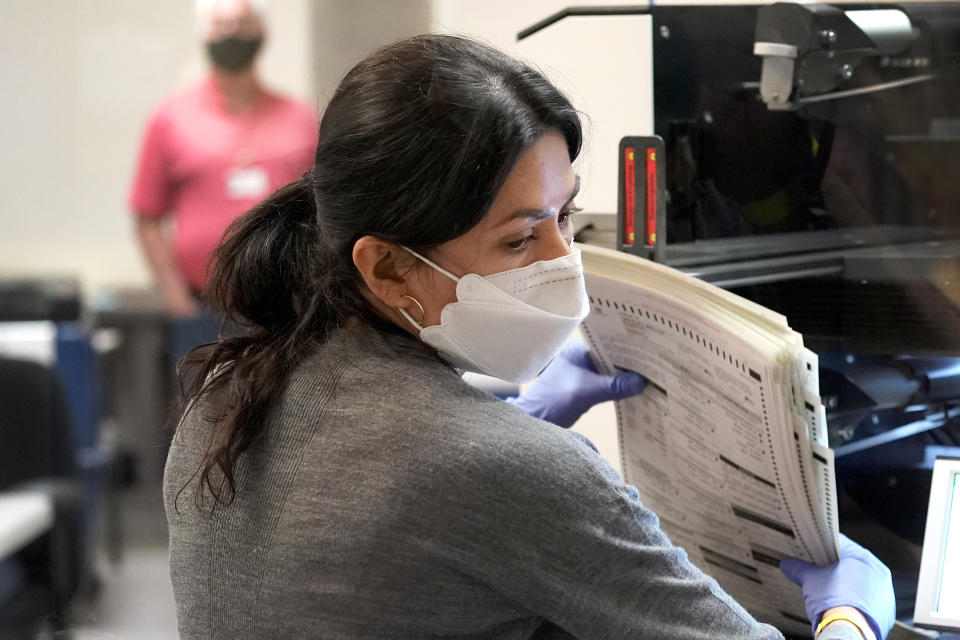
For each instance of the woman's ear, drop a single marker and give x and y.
(383, 266)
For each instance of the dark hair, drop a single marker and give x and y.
(414, 146)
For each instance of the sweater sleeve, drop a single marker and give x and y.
(547, 522)
(838, 631)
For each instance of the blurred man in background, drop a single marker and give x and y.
(209, 153)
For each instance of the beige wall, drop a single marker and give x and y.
(498, 21)
(346, 30)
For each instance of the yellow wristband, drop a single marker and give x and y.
(835, 617)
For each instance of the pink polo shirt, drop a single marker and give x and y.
(207, 165)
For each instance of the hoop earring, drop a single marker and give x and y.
(423, 314)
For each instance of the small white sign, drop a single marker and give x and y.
(244, 183)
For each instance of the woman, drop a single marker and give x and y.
(335, 478)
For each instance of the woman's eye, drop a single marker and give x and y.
(564, 223)
(517, 245)
(566, 217)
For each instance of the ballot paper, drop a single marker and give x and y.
(727, 444)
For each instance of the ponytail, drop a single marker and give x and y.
(283, 291)
(263, 267)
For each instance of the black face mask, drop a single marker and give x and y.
(233, 53)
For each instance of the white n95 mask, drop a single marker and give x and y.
(511, 324)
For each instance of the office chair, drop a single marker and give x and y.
(38, 453)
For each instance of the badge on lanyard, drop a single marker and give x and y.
(245, 183)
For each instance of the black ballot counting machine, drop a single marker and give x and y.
(807, 157)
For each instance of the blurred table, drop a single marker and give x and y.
(140, 391)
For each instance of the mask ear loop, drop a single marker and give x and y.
(423, 314)
(432, 264)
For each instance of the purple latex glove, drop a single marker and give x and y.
(570, 385)
(857, 580)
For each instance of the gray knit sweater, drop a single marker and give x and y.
(388, 499)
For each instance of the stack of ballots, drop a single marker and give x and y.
(727, 445)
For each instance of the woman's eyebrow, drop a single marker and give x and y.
(540, 214)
